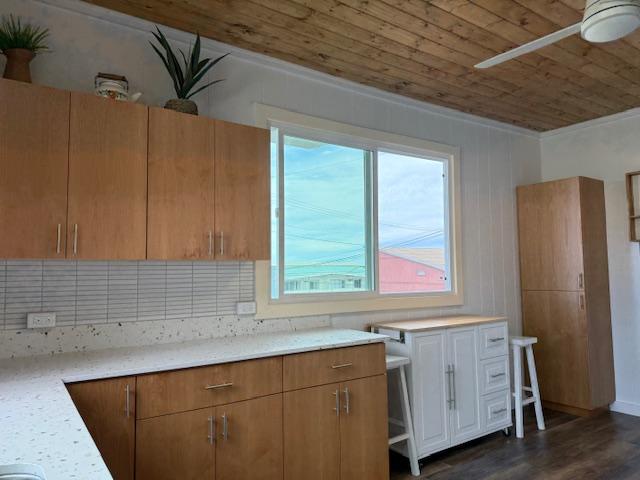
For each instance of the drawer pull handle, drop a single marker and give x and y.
(497, 412)
(496, 339)
(342, 365)
(220, 385)
(497, 375)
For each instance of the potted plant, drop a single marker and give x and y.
(185, 77)
(20, 43)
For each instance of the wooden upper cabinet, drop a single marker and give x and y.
(242, 213)
(34, 145)
(181, 186)
(107, 408)
(550, 236)
(107, 215)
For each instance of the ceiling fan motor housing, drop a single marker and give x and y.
(609, 20)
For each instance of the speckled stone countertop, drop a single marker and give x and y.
(39, 423)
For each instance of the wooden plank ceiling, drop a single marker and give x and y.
(426, 50)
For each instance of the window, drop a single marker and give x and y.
(362, 220)
(349, 218)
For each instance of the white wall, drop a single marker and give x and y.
(86, 39)
(607, 150)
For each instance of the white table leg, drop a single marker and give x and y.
(408, 423)
(517, 387)
(534, 387)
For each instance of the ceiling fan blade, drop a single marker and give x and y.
(531, 46)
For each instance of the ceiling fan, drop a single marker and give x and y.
(603, 21)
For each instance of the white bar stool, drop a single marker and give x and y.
(521, 399)
(397, 362)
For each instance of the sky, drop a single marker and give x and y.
(325, 203)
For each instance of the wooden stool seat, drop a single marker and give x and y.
(520, 391)
(396, 362)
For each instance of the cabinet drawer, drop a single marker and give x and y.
(494, 375)
(192, 388)
(336, 365)
(494, 340)
(495, 410)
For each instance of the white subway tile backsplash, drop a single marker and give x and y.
(83, 292)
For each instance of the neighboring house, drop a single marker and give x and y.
(412, 270)
(402, 270)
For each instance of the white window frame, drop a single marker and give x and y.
(295, 305)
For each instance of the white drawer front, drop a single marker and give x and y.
(494, 375)
(496, 410)
(494, 340)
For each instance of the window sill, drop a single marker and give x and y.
(267, 309)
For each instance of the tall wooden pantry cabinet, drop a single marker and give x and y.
(565, 291)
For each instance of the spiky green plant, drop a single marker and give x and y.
(15, 34)
(185, 79)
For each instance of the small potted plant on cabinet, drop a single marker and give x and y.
(20, 43)
(185, 77)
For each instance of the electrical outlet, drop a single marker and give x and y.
(41, 320)
(246, 308)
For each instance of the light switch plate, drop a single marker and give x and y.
(246, 308)
(41, 320)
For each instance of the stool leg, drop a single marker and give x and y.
(408, 424)
(517, 387)
(533, 375)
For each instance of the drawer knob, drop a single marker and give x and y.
(220, 385)
(341, 365)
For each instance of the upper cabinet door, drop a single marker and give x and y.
(34, 149)
(242, 192)
(364, 451)
(107, 179)
(181, 183)
(550, 236)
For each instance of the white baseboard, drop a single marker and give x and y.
(629, 408)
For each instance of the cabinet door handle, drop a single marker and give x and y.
(497, 375)
(341, 365)
(347, 403)
(581, 301)
(210, 243)
(448, 373)
(127, 401)
(212, 434)
(580, 280)
(75, 238)
(453, 386)
(221, 243)
(225, 427)
(220, 385)
(58, 239)
(496, 339)
(337, 407)
(499, 411)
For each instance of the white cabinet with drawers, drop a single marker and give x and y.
(459, 379)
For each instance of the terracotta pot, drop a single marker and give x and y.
(182, 105)
(17, 67)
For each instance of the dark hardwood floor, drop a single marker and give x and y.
(605, 446)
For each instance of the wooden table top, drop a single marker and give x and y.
(434, 323)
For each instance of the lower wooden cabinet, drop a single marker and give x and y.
(176, 446)
(334, 431)
(337, 431)
(108, 410)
